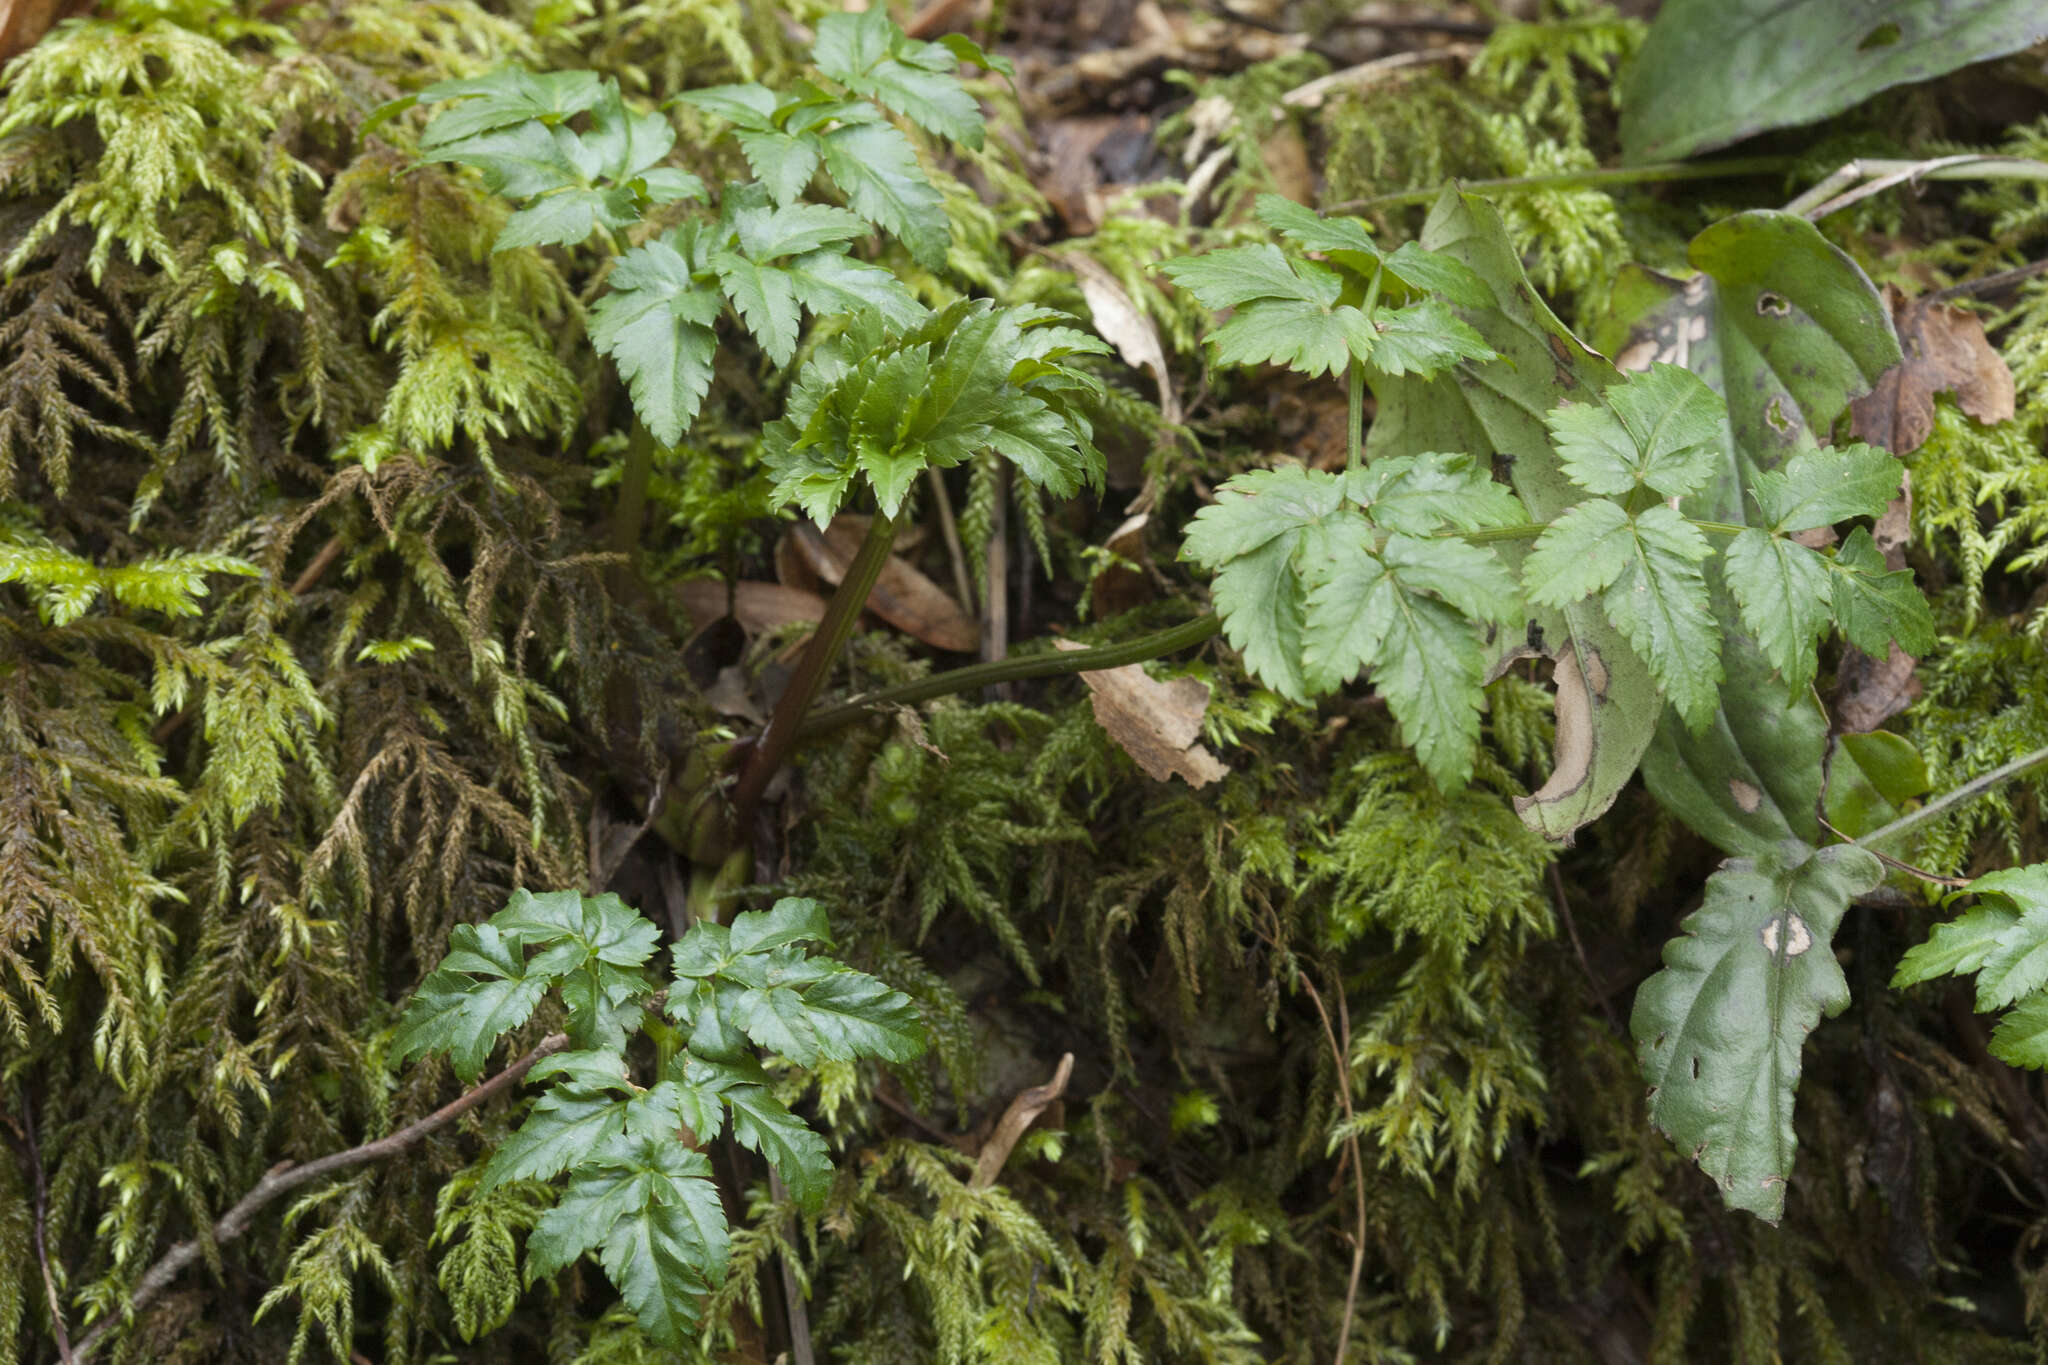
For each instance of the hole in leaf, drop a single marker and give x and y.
(1695, 1068)
(1884, 35)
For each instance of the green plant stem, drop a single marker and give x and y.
(1052, 665)
(1529, 530)
(1654, 173)
(841, 613)
(1354, 431)
(1962, 795)
(631, 512)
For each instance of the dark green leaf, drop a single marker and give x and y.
(1719, 1030)
(562, 1129)
(655, 323)
(1874, 605)
(874, 166)
(1822, 487)
(1659, 429)
(1421, 339)
(1782, 589)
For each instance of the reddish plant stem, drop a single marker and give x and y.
(770, 752)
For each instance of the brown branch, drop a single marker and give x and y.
(25, 1134)
(1028, 1105)
(1338, 1051)
(285, 1177)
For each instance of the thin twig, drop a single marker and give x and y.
(1990, 283)
(1896, 864)
(1022, 1112)
(949, 530)
(1016, 669)
(1564, 912)
(26, 1132)
(1656, 173)
(1339, 1051)
(285, 1177)
(1881, 173)
(1962, 795)
(801, 1351)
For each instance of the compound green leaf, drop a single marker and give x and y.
(1714, 72)
(1660, 605)
(1607, 702)
(568, 217)
(1241, 275)
(503, 98)
(1958, 947)
(761, 1123)
(1419, 494)
(1719, 1030)
(482, 991)
(1659, 429)
(794, 229)
(1440, 273)
(1430, 670)
(790, 920)
(874, 167)
(1876, 605)
(1346, 615)
(1302, 336)
(2021, 1038)
(1782, 590)
(765, 298)
(1421, 339)
(1579, 554)
(852, 1015)
(655, 323)
(1822, 487)
(868, 54)
(520, 161)
(784, 162)
(830, 282)
(1347, 241)
(562, 1129)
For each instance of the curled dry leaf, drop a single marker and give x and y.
(1123, 325)
(1945, 352)
(903, 597)
(1158, 724)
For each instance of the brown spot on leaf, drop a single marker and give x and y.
(1788, 931)
(1746, 796)
(1944, 352)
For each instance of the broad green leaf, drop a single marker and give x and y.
(1752, 778)
(1421, 339)
(868, 54)
(1346, 615)
(1782, 590)
(1822, 487)
(1780, 322)
(1608, 704)
(874, 167)
(1719, 1030)
(1658, 429)
(560, 1131)
(2021, 1038)
(1469, 577)
(1716, 71)
(1876, 605)
(1958, 947)
(581, 1219)
(655, 323)
(1870, 779)
(659, 1258)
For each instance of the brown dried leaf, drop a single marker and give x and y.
(1869, 692)
(24, 22)
(1945, 352)
(1123, 325)
(1158, 724)
(903, 597)
(760, 607)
